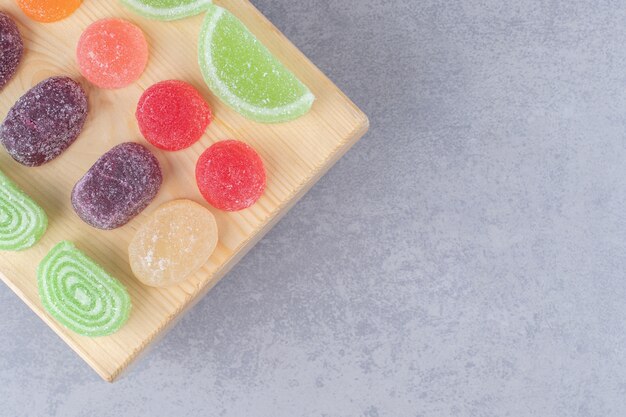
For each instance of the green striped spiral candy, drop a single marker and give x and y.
(80, 294)
(22, 221)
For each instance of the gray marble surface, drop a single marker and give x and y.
(466, 258)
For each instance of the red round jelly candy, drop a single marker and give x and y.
(172, 115)
(231, 175)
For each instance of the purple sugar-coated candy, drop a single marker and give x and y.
(11, 48)
(119, 186)
(45, 121)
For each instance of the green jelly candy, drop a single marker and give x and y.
(167, 9)
(245, 75)
(80, 294)
(22, 221)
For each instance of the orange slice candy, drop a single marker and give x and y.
(48, 10)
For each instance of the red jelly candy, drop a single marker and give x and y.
(172, 115)
(230, 175)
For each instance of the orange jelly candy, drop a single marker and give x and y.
(48, 10)
(112, 53)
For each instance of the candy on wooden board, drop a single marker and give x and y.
(231, 175)
(167, 9)
(176, 241)
(81, 295)
(245, 75)
(119, 186)
(45, 121)
(22, 221)
(47, 11)
(11, 48)
(172, 115)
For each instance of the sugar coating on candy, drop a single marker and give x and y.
(119, 186)
(48, 10)
(172, 115)
(79, 294)
(244, 74)
(22, 221)
(11, 48)
(175, 242)
(45, 121)
(167, 9)
(231, 175)
(112, 53)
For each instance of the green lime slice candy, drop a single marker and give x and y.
(167, 9)
(22, 221)
(245, 75)
(80, 294)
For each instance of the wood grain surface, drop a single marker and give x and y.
(296, 155)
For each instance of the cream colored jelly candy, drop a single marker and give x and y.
(174, 243)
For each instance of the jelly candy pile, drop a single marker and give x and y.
(178, 238)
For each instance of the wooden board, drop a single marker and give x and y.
(296, 154)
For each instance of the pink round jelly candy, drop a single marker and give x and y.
(231, 175)
(172, 115)
(11, 48)
(119, 186)
(112, 53)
